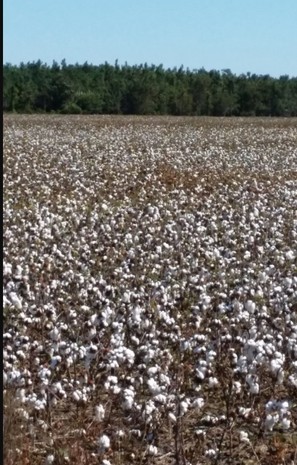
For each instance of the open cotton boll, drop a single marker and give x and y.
(244, 437)
(49, 460)
(290, 255)
(271, 420)
(250, 306)
(184, 407)
(198, 403)
(285, 423)
(213, 382)
(55, 335)
(153, 386)
(152, 450)
(99, 413)
(15, 300)
(103, 442)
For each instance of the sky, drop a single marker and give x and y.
(257, 36)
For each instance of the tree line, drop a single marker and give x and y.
(144, 89)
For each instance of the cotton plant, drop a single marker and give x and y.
(143, 279)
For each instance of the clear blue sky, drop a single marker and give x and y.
(259, 36)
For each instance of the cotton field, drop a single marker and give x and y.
(150, 290)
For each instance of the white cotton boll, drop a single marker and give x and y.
(262, 277)
(198, 403)
(152, 450)
(49, 459)
(161, 398)
(288, 282)
(244, 437)
(251, 240)
(276, 365)
(128, 403)
(280, 376)
(245, 412)
(271, 420)
(172, 417)
(153, 386)
(55, 361)
(200, 374)
(290, 256)
(103, 442)
(99, 413)
(183, 407)
(105, 462)
(247, 255)
(126, 297)
(284, 406)
(104, 207)
(236, 387)
(77, 396)
(120, 434)
(164, 379)
(285, 423)
(7, 269)
(54, 334)
(213, 382)
(18, 272)
(250, 306)
(152, 370)
(44, 373)
(253, 384)
(15, 300)
(130, 355)
(149, 407)
(115, 389)
(293, 379)
(237, 305)
(21, 395)
(92, 333)
(211, 453)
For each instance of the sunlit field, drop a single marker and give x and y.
(150, 290)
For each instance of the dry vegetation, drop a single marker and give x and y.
(150, 291)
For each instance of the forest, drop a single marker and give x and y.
(36, 87)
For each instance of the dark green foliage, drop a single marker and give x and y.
(143, 89)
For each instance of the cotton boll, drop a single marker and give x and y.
(271, 420)
(172, 417)
(15, 300)
(244, 437)
(211, 453)
(288, 282)
(54, 334)
(126, 297)
(49, 459)
(213, 382)
(153, 386)
(198, 403)
(252, 381)
(77, 395)
(285, 423)
(161, 398)
(99, 413)
(7, 269)
(250, 306)
(103, 442)
(152, 450)
(245, 412)
(236, 387)
(183, 407)
(290, 256)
